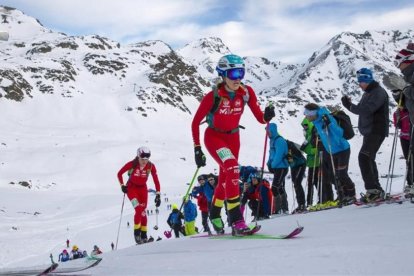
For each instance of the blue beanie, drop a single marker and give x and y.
(365, 75)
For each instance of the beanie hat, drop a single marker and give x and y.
(404, 56)
(365, 75)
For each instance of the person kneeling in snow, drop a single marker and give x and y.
(174, 221)
(64, 256)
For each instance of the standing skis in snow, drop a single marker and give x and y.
(136, 189)
(373, 125)
(223, 107)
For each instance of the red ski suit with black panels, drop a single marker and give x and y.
(137, 190)
(221, 141)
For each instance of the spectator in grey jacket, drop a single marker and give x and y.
(373, 125)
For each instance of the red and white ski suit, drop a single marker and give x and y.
(137, 190)
(222, 145)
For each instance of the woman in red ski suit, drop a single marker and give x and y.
(139, 170)
(222, 138)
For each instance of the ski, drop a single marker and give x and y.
(35, 270)
(67, 267)
(391, 199)
(259, 236)
(292, 234)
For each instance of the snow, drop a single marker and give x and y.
(72, 164)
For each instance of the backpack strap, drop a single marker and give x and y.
(216, 103)
(135, 164)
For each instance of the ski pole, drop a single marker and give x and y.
(392, 162)
(262, 170)
(168, 233)
(333, 169)
(156, 219)
(120, 219)
(316, 156)
(321, 179)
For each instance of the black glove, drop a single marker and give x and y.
(124, 188)
(157, 200)
(303, 146)
(326, 121)
(200, 158)
(346, 102)
(269, 113)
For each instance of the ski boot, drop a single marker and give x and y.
(372, 195)
(218, 225)
(144, 238)
(409, 192)
(348, 200)
(301, 208)
(137, 236)
(240, 228)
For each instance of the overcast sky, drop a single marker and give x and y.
(286, 30)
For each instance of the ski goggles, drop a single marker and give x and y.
(145, 155)
(310, 113)
(235, 73)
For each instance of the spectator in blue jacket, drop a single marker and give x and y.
(204, 187)
(278, 165)
(64, 256)
(175, 221)
(336, 150)
(190, 215)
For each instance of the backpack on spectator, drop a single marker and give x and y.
(344, 121)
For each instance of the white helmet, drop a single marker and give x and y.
(143, 153)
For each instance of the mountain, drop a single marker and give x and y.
(330, 72)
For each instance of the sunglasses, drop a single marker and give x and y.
(235, 73)
(211, 179)
(359, 75)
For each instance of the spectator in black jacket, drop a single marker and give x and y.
(373, 125)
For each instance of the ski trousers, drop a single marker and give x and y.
(366, 157)
(138, 195)
(224, 148)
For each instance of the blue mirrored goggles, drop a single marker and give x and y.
(235, 73)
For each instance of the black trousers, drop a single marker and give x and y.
(366, 158)
(297, 174)
(204, 221)
(278, 190)
(346, 188)
(405, 146)
(312, 181)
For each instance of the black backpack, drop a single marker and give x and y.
(344, 122)
(293, 152)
